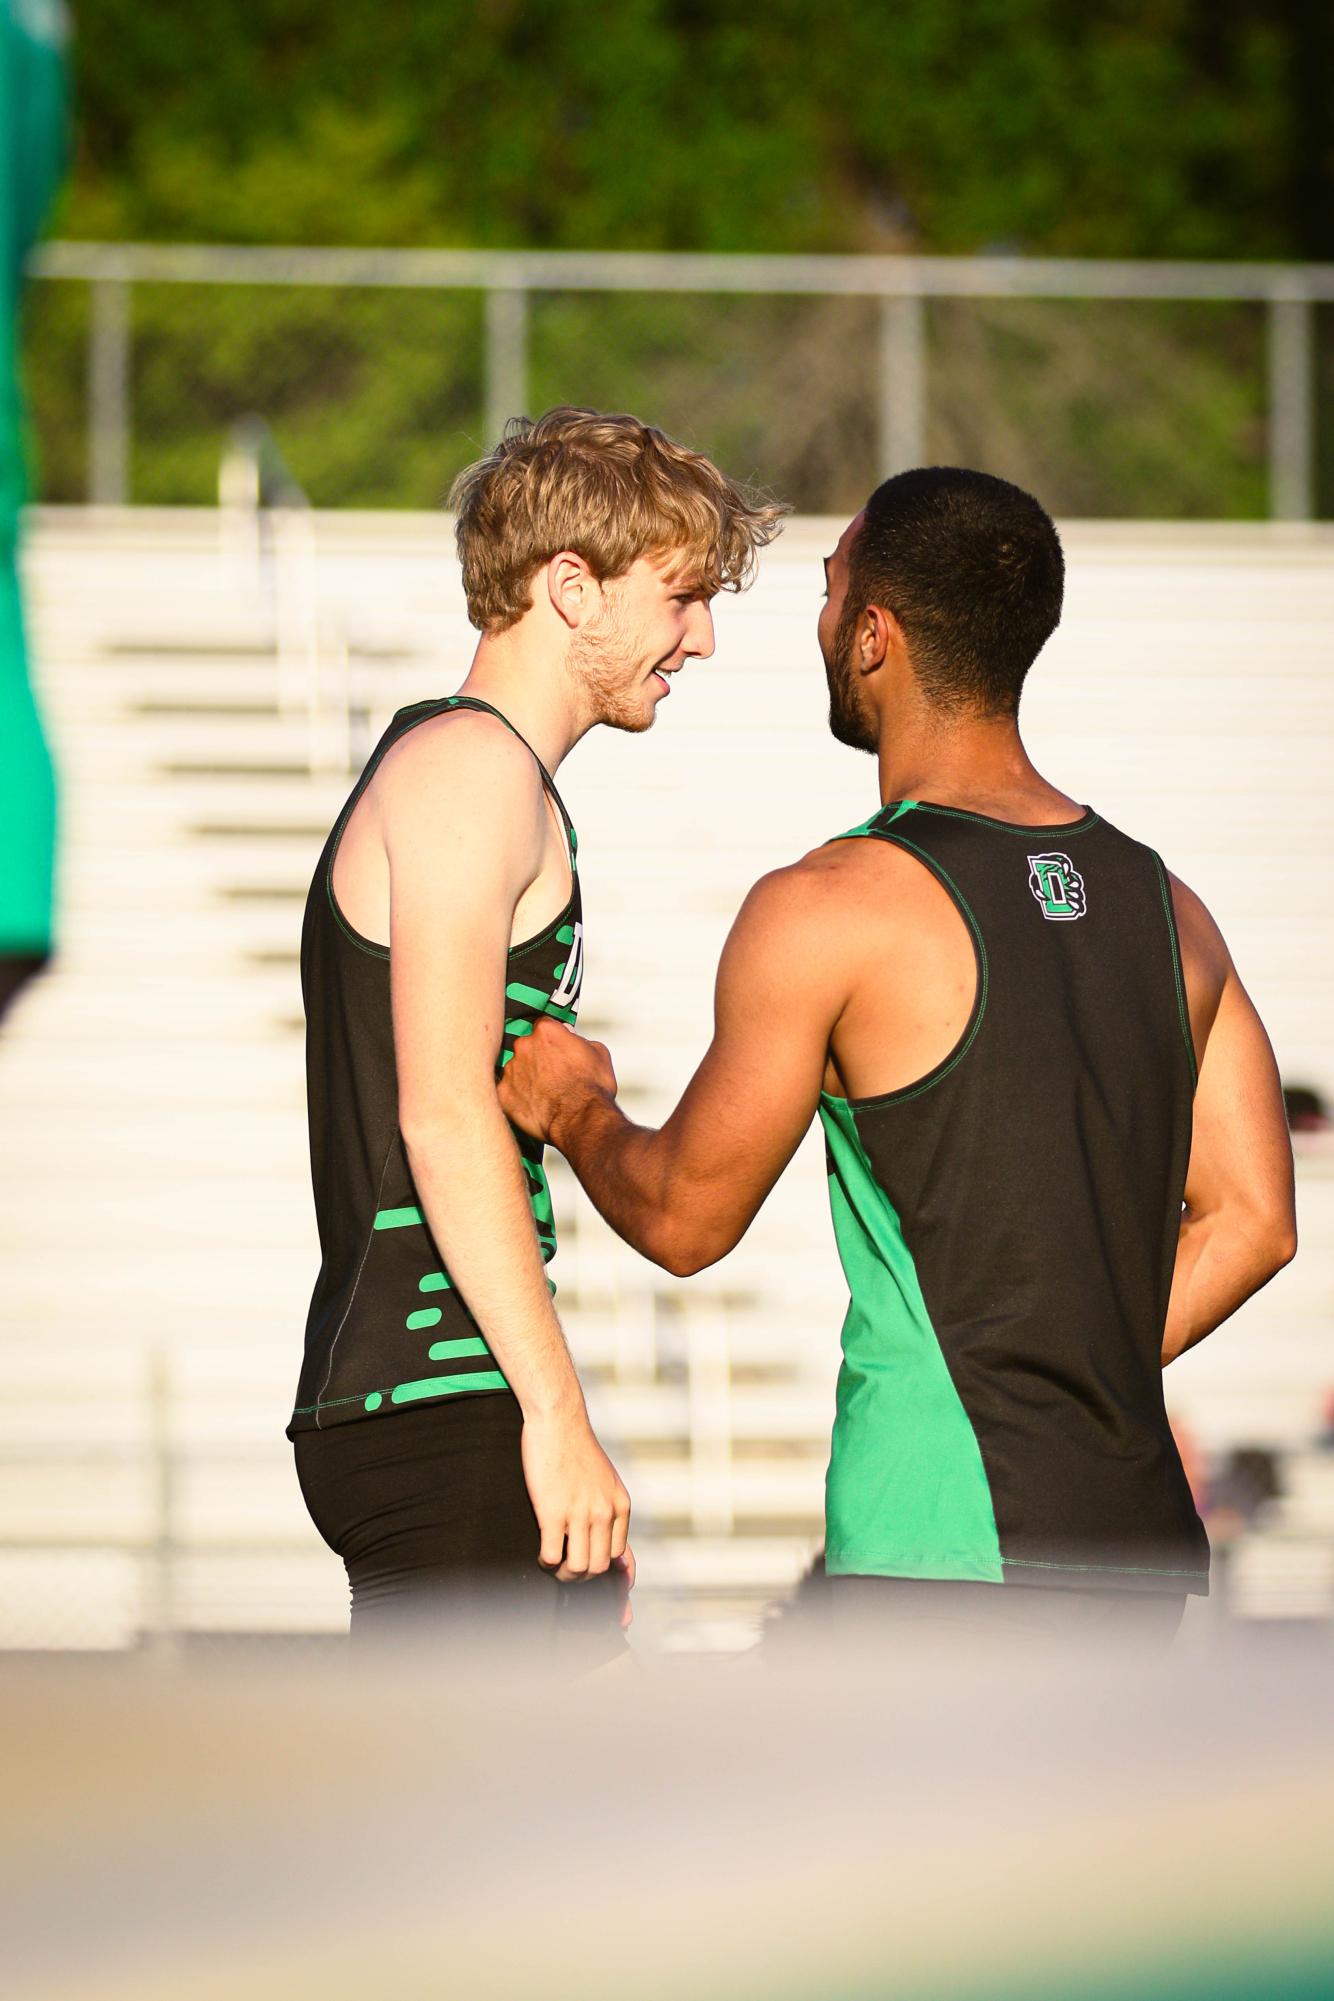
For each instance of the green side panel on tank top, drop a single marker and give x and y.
(907, 1492)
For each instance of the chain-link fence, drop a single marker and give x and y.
(1150, 391)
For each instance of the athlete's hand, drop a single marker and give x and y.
(582, 1509)
(551, 1073)
(624, 1566)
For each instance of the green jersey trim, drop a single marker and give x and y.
(1087, 820)
(907, 1493)
(416, 1392)
(1183, 1008)
(1102, 1569)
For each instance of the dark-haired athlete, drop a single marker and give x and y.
(1000, 1010)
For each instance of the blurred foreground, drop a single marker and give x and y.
(807, 1826)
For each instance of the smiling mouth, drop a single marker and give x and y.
(663, 676)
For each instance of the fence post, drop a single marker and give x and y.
(902, 385)
(506, 358)
(109, 393)
(162, 1622)
(1291, 356)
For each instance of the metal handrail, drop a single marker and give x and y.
(683, 271)
(269, 526)
(1289, 292)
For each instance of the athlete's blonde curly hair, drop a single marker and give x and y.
(609, 488)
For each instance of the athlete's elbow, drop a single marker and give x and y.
(440, 1123)
(684, 1263)
(1271, 1236)
(1282, 1243)
(684, 1251)
(680, 1260)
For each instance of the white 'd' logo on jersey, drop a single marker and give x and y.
(567, 993)
(1058, 887)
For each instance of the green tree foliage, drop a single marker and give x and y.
(1100, 127)
(1113, 128)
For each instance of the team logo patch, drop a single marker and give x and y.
(1058, 887)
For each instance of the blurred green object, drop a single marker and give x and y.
(33, 34)
(32, 159)
(27, 791)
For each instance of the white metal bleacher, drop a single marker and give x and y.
(156, 1236)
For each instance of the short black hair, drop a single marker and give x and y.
(972, 569)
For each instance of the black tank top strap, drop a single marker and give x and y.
(489, 709)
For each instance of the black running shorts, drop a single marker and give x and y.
(429, 1512)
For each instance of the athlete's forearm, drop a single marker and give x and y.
(626, 1172)
(471, 1185)
(1222, 1259)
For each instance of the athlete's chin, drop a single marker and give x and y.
(851, 730)
(632, 721)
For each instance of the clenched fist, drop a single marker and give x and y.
(551, 1074)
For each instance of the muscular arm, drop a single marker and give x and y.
(684, 1195)
(1238, 1227)
(463, 821)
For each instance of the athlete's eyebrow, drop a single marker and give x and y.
(826, 572)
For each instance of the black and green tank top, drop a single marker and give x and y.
(387, 1327)
(1008, 1227)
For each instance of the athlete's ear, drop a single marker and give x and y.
(878, 635)
(575, 593)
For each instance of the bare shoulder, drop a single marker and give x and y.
(797, 893)
(1203, 948)
(868, 875)
(470, 746)
(461, 766)
(1206, 963)
(829, 894)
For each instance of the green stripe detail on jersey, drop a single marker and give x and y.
(425, 1316)
(454, 1351)
(435, 1281)
(530, 996)
(397, 1219)
(907, 1493)
(877, 820)
(448, 1386)
(533, 997)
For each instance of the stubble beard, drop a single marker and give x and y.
(608, 663)
(849, 721)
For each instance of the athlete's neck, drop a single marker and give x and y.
(973, 762)
(532, 690)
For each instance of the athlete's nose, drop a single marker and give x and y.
(699, 633)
